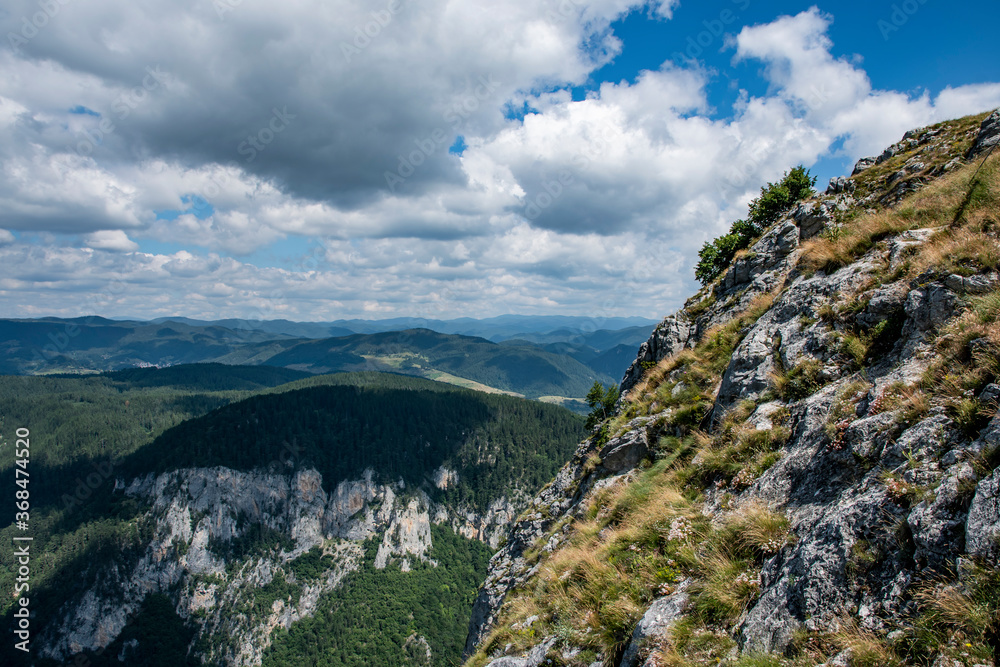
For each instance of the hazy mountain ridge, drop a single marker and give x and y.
(497, 329)
(96, 344)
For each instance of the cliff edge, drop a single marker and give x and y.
(803, 468)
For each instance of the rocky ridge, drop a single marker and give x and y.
(881, 475)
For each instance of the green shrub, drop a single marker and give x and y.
(774, 199)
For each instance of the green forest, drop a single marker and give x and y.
(495, 442)
(376, 617)
(88, 432)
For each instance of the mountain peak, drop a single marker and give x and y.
(803, 465)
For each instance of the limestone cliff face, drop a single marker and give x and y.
(834, 493)
(198, 514)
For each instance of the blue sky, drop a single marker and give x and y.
(436, 159)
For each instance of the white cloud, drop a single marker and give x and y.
(585, 203)
(836, 97)
(113, 239)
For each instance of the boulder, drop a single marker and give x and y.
(988, 137)
(862, 164)
(928, 306)
(625, 452)
(982, 528)
(535, 657)
(670, 337)
(656, 622)
(938, 525)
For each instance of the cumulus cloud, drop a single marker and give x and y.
(319, 96)
(113, 239)
(835, 96)
(228, 131)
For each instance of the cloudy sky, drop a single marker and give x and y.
(316, 159)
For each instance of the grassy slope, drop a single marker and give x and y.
(639, 540)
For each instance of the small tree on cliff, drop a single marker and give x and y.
(601, 402)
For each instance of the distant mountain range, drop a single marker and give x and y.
(530, 356)
(550, 328)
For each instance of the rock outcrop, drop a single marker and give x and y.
(198, 514)
(877, 500)
(988, 138)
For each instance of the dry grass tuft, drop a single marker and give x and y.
(867, 648)
(965, 215)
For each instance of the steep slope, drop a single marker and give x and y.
(803, 468)
(234, 527)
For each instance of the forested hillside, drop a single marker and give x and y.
(417, 446)
(93, 345)
(401, 428)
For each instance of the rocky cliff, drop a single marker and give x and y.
(222, 540)
(803, 467)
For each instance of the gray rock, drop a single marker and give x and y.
(887, 301)
(990, 394)
(946, 661)
(787, 238)
(534, 658)
(867, 437)
(625, 452)
(812, 219)
(925, 439)
(841, 184)
(978, 284)
(888, 154)
(988, 137)
(982, 528)
(671, 336)
(928, 306)
(656, 622)
(842, 659)
(938, 526)
(766, 260)
(863, 164)
(747, 375)
(899, 245)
